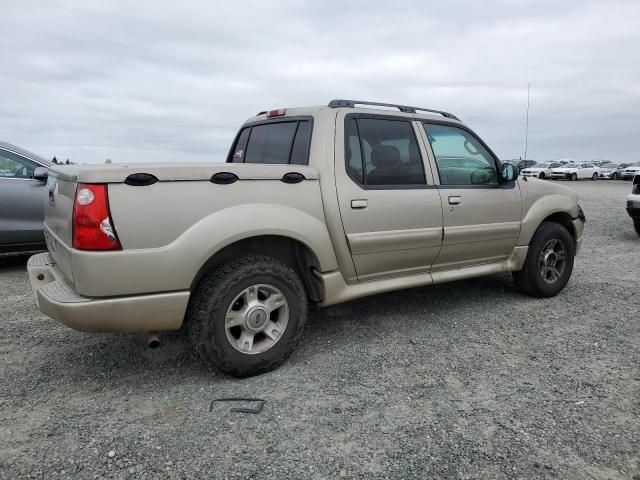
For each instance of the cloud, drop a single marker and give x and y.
(160, 81)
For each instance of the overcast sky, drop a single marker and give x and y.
(173, 80)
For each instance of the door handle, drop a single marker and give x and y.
(359, 204)
(455, 200)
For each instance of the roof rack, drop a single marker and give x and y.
(402, 108)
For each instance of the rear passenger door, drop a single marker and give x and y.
(390, 208)
(481, 214)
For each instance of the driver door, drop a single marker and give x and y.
(481, 216)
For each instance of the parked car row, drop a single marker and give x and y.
(568, 170)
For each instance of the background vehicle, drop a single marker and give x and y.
(631, 171)
(22, 195)
(540, 170)
(579, 171)
(612, 170)
(520, 163)
(317, 204)
(633, 203)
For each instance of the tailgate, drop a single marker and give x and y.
(58, 213)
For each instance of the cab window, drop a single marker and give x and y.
(382, 152)
(275, 143)
(460, 157)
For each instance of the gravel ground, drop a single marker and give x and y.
(464, 380)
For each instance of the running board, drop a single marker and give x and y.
(336, 290)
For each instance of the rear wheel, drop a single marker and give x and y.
(549, 262)
(594, 176)
(541, 176)
(636, 225)
(246, 316)
(574, 177)
(614, 176)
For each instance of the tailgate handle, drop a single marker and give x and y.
(293, 177)
(224, 178)
(141, 179)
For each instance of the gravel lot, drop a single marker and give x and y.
(464, 380)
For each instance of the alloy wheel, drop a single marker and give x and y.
(256, 319)
(552, 261)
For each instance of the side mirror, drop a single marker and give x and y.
(41, 173)
(509, 173)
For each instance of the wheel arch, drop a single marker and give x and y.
(557, 208)
(564, 219)
(291, 251)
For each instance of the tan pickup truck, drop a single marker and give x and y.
(313, 205)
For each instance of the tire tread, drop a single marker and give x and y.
(215, 286)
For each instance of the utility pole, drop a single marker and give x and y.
(526, 134)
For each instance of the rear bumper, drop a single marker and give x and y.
(140, 313)
(560, 176)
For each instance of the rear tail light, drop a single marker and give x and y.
(92, 225)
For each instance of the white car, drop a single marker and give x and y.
(631, 171)
(540, 170)
(576, 172)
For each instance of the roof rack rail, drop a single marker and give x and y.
(402, 108)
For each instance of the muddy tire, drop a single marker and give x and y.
(247, 314)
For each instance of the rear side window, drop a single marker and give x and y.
(382, 152)
(274, 143)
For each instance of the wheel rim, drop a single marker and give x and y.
(256, 319)
(553, 261)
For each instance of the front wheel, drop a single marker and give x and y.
(246, 316)
(549, 262)
(614, 176)
(574, 177)
(541, 176)
(636, 225)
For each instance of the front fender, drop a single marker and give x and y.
(542, 208)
